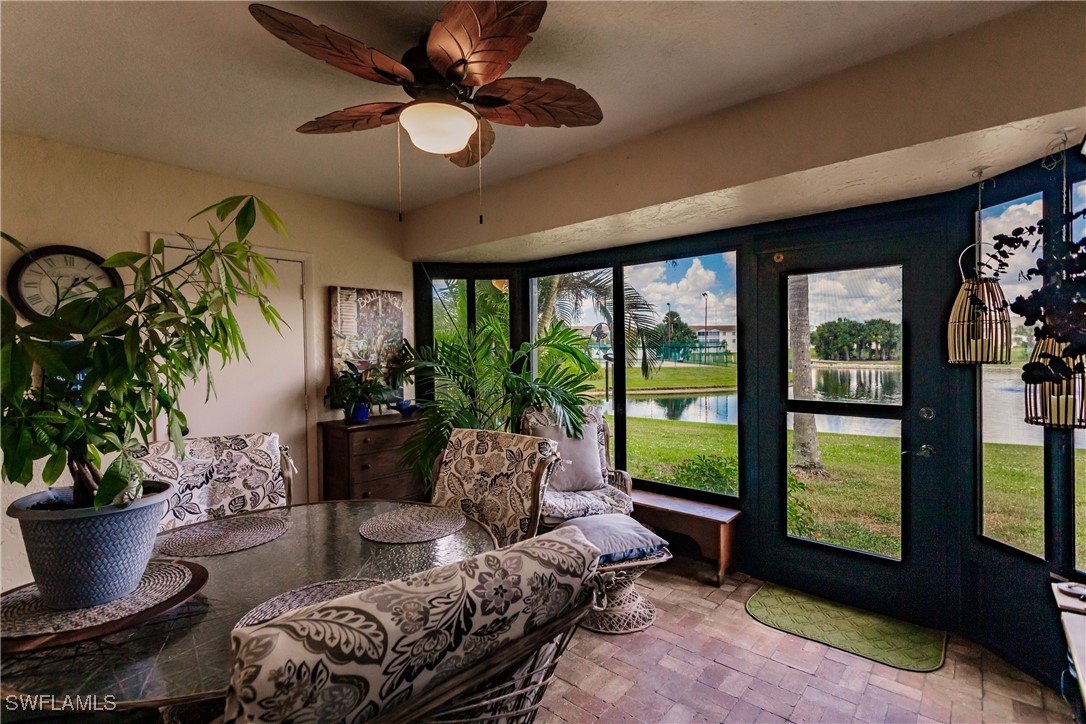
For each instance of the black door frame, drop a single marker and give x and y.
(914, 587)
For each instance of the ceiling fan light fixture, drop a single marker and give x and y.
(436, 127)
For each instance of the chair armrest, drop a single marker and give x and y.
(286, 465)
(620, 479)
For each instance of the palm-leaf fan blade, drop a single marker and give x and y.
(334, 48)
(536, 102)
(356, 118)
(470, 154)
(473, 43)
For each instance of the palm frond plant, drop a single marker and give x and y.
(479, 382)
(564, 296)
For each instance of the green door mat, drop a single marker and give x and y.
(871, 635)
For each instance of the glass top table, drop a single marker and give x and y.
(184, 654)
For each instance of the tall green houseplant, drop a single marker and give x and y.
(92, 377)
(480, 382)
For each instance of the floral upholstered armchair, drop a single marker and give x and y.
(383, 650)
(497, 479)
(220, 475)
(584, 483)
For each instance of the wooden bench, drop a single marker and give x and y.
(709, 525)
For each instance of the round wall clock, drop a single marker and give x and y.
(42, 276)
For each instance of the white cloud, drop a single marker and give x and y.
(684, 295)
(1015, 215)
(859, 294)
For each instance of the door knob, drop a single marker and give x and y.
(925, 451)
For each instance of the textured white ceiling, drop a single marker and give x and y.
(201, 85)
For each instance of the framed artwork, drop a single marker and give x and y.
(367, 326)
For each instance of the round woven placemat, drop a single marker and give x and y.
(304, 596)
(25, 614)
(412, 524)
(227, 535)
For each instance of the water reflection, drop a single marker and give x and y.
(858, 384)
(1004, 407)
(674, 407)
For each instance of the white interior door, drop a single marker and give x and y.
(267, 392)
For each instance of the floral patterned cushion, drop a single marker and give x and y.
(497, 479)
(354, 657)
(559, 506)
(218, 476)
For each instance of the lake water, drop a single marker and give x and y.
(1003, 405)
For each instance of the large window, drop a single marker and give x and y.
(582, 300)
(1012, 454)
(682, 400)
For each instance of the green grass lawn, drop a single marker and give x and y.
(858, 506)
(675, 378)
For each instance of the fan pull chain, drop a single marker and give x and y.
(479, 149)
(399, 173)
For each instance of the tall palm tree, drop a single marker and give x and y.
(806, 453)
(564, 296)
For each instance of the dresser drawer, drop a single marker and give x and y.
(381, 438)
(404, 486)
(376, 464)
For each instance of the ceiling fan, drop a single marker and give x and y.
(457, 64)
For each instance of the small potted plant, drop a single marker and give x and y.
(356, 391)
(89, 380)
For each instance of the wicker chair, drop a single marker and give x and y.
(220, 475)
(497, 479)
(469, 641)
(613, 497)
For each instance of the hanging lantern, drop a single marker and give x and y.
(980, 325)
(979, 331)
(1060, 403)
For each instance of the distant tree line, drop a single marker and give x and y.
(847, 339)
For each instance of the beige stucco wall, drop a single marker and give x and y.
(52, 193)
(1021, 66)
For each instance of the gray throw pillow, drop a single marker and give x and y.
(579, 468)
(619, 537)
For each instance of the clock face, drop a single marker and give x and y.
(46, 277)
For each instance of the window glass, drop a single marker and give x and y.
(1078, 231)
(582, 300)
(1080, 500)
(856, 503)
(843, 484)
(1012, 453)
(852, 350)
(450, 308)
(682, 404)
(492, 302)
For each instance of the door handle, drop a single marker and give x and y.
(925, 451)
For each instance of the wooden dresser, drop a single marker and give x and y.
(363, 460)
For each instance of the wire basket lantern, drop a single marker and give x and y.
(980, 325)
(1060, 403)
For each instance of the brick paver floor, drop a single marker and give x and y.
(706, 660)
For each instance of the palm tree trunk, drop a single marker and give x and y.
(806, 453)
